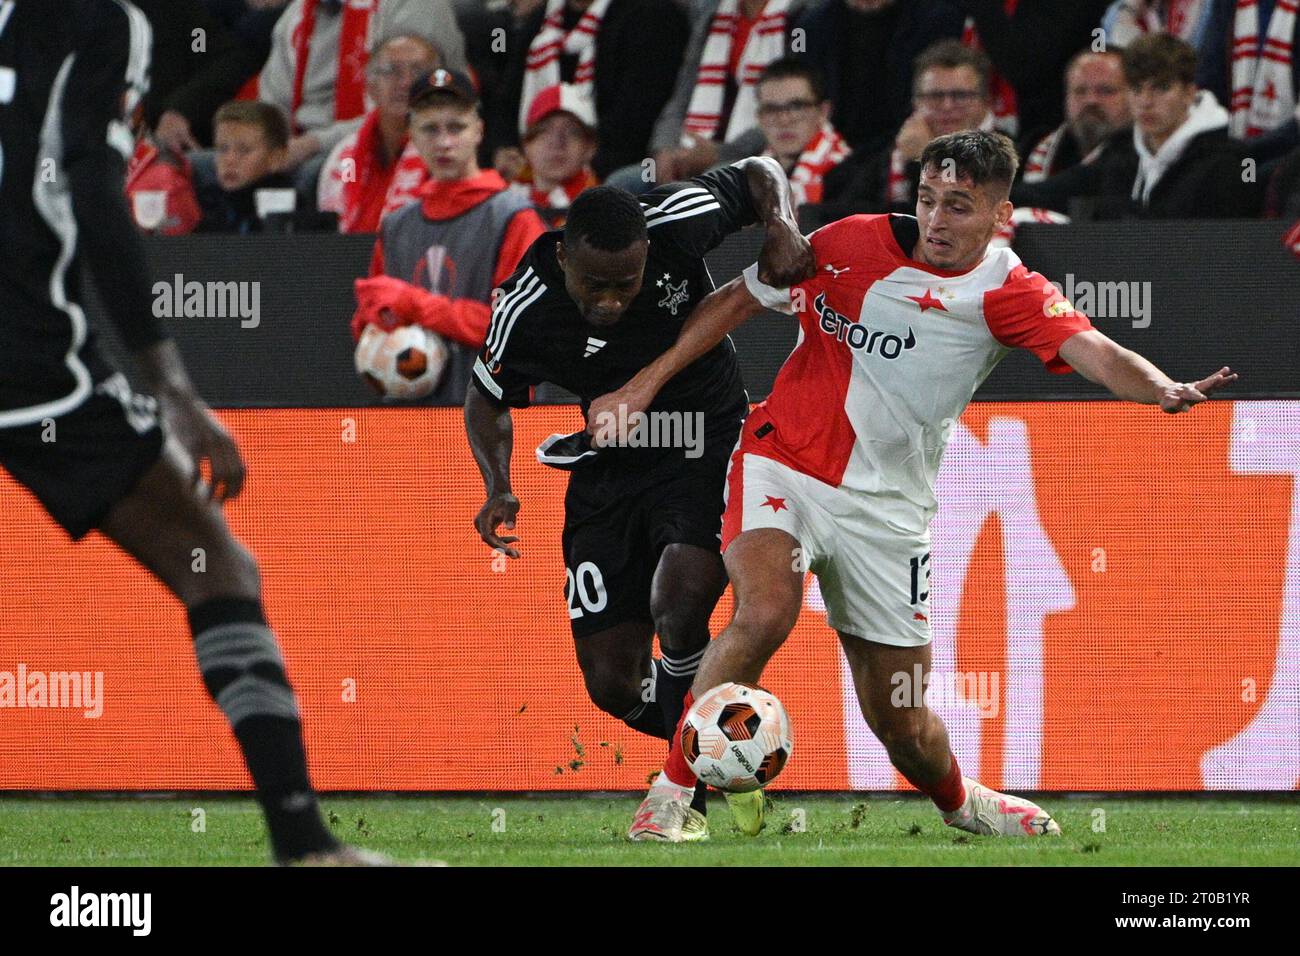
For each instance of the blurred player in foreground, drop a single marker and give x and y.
(587, 309)
(902, 321)
(72, 431)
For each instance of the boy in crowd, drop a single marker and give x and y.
(559, 145)
(436, 261)
(251, 140)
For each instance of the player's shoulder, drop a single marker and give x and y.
(538, 269)
(676, 202)
(864, 242)
(1012, 287)
(529, 294)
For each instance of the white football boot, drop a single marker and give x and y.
(665, 815)
(990, 813)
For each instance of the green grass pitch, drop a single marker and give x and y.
(505, 830)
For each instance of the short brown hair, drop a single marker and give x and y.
(950, 54)
(1161, 58)
(984, 157)
(264, 116)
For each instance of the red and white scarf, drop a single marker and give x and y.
(898, 187)
(766, 43)
(1263, 95)
(1006, 112)
(1179, 18)
(543, 67)
(354, 32)
(562, 196)
(1039, 165)
(826, 150)
(353, 169)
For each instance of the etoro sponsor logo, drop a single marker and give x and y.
(858, 336)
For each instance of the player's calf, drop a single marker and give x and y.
(244, 673)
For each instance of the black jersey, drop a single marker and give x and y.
(537, 333)
(71, 71)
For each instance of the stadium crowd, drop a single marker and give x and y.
(300, 114)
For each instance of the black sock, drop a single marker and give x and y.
(243, 671)
(676, 674)
(646, 716)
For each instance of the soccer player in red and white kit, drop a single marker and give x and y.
(902, 320)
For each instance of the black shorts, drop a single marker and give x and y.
(80, 462)
(620, 514)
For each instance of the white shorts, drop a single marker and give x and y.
(871, 553)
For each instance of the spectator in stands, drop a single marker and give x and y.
(712, 117)
(794, 116)
(559, 144)
(1178, 160)
(436, 261)
(1096, 106)
(376, 169)
(316, 72)
(1027, 41)
(865, 50)
(1126, 20)
(623, 55)
(252, 139)
(1248, 61)
(950, 94)
(196, 64)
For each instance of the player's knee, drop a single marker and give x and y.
(613, 692)
(766, 619)
(682, 619)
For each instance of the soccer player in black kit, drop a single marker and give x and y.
(585, 310)
(71, 72)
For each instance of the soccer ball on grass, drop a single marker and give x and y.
(737, 737)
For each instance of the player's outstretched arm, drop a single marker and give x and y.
(491, 439)
(721, 311)
(1131, 377)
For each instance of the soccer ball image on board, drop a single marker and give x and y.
(405, 363)
(737, 737)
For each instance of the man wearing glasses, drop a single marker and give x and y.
(794, 116)
(950, 94)
(376, 169)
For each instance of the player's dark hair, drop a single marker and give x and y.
(792, 68)
(950, 54)
(608, 218)
(984, 157)
(1160, 58)
(264, 116)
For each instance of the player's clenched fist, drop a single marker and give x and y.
(498, 510)
(1180, 396)
(786, 258)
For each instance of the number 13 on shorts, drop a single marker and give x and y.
(921, 579)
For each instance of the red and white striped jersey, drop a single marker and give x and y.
(889, 353)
